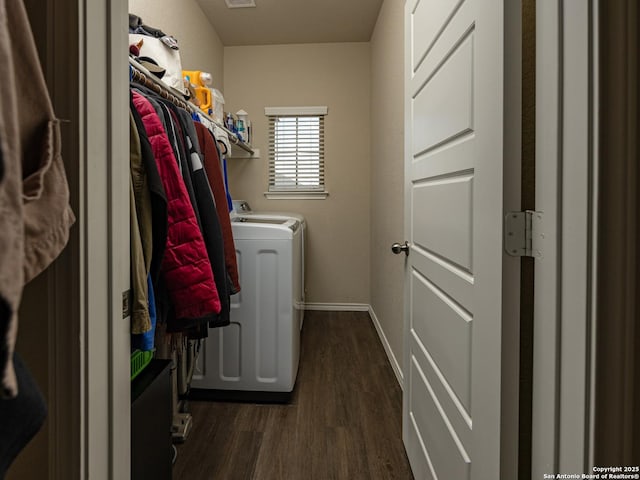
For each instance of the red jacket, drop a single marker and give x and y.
(185, 266)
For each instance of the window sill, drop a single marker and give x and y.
(311, 195)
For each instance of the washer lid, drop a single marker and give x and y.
(261, 214)
(252, 219)
(241, 208)
(247, 227)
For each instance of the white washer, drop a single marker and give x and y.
(241, 208)
(256, 356)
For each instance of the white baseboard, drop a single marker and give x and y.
(387, 348)
(338, 307)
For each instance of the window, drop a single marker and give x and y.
(296, 151)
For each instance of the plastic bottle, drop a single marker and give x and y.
(229, 122)
(241, 124)
(241, 130)
(200, 82)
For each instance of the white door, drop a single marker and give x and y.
(453, 212)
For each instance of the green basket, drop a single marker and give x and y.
(139, 360)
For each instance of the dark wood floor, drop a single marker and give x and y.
(344, 420)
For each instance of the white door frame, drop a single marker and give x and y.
(562, 337)
(564, 278)
(105, 147)
(89, 345)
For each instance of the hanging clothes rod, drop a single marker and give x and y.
(142, 76)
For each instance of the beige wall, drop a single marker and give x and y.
(336, 75)
(200, 46)
(387, 171)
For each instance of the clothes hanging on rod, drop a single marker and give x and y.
(142, 76)
(186, 269)
(193, 260)
(223, 136)
(190, 176)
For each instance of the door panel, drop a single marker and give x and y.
(443, 222)
(453, 202)
(432, 18)
(444, 329)
(449, 277)
(446, 96)
(448, 456)
(457, 415)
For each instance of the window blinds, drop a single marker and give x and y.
(296, 152)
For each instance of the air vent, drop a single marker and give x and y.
(240, 3)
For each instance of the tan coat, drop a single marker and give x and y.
(141, 234)
(35, 216)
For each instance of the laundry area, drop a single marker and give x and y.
(285, 226)
(250, 276)
(324, 239)
(301, 234)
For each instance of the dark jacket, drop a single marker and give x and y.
(209, 217)
(180, 127)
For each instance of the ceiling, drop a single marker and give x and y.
(293, 21)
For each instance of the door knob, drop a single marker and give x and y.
(400, 247)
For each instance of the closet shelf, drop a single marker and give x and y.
(141, 75)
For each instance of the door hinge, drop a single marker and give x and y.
(126, 303)
(523, 234)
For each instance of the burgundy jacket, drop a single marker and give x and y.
(185, 266)
(214, 174)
